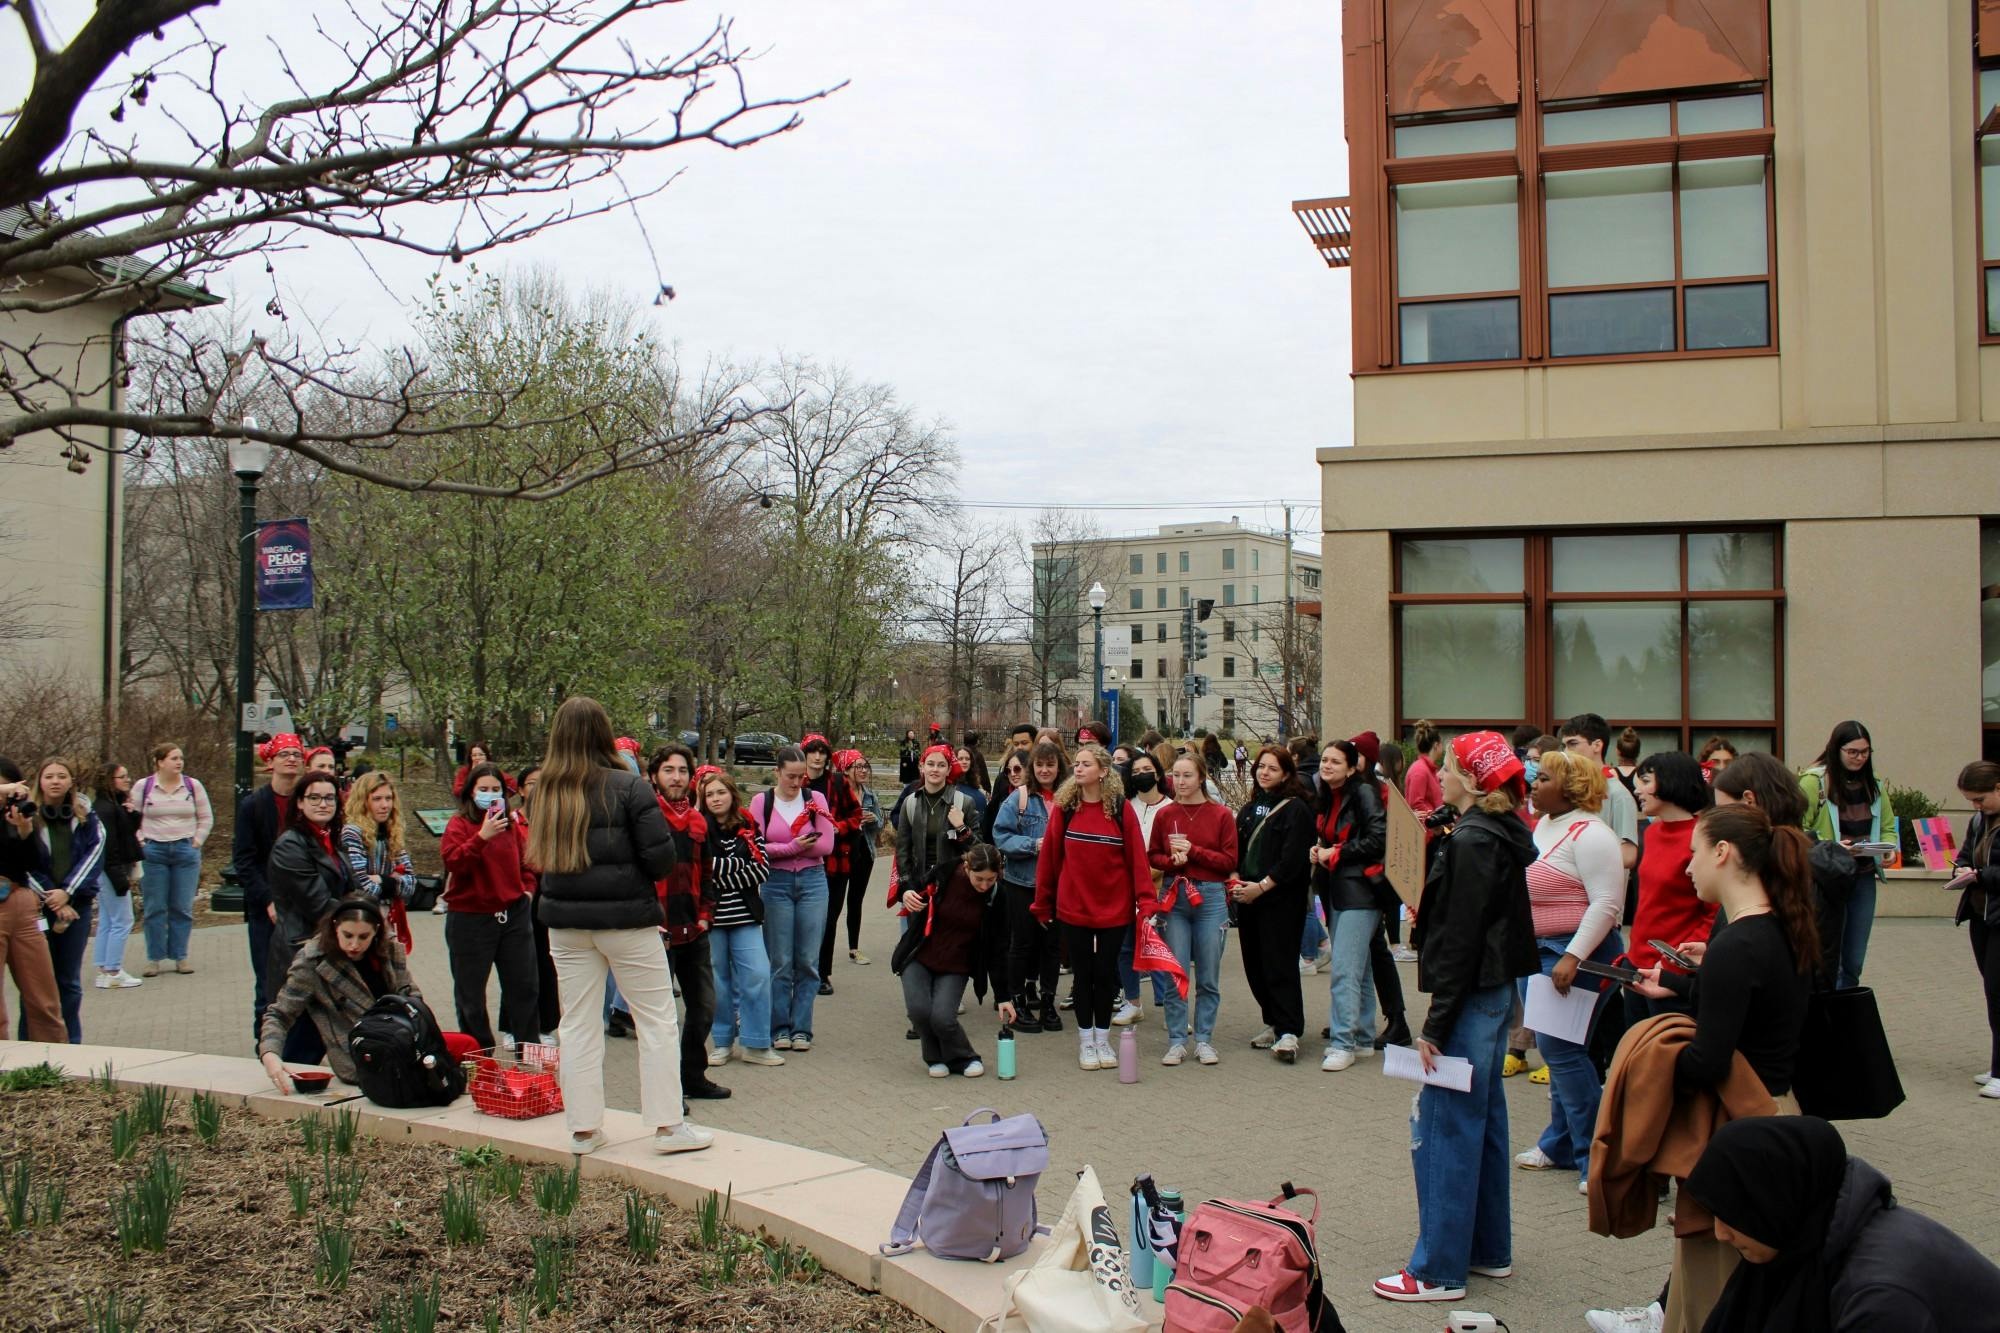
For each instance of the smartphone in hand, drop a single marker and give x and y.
(1674, 956)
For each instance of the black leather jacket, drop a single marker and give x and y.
(1361, 828)
(305, 882)
(1988, 882)
(1474, 927)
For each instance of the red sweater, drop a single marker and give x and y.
(487, 874)
(1092, 872)
(1668, 908)
(1210, 829)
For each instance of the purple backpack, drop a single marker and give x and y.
(975, 1196)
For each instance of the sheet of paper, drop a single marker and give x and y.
(1565, 1016)
(1453, 1071)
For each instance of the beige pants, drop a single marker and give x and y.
(639, 960)
(1703, 1266)
(24, 951)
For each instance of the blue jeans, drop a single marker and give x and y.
(173, 870)
(1315, 934)
(1351, 1013)
(1195, 934)
(114, 926)
(1860, 922)
(1573, 1087)
(1458, 1150)
(742, 987)
(794, 920)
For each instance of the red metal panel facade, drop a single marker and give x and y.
(1592, 48)
(1453, 55)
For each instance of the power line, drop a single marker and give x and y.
(1092, 508)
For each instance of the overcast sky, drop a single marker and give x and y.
(1064, 228)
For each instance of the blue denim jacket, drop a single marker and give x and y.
(1014, 833)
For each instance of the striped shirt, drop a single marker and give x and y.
(1577, 884)
(171, 815)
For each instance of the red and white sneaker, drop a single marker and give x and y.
(1403, 1287)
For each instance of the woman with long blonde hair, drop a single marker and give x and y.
(596, 834)
(69, 852)
(372, 842)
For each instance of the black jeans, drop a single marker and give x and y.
(1986, 952)
(851, 887)
(696, 975)
(1382, 963)
(931, 1000)
(66, 953)
(1093, 966)
(1032, 951)
(548, 1000)
(480, 943)
(263, 989)
(1270, 929)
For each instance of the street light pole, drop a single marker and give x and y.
(247, 459)
(1097, 599)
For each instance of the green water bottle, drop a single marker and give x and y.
(1163, 1270)
(1004, 1053)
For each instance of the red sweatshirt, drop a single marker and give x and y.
(1668, 909)
(1092, 872)
(487, 874)
(1210, 829)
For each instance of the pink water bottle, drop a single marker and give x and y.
(1128, 1056)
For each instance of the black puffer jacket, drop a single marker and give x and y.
(1897, 1271)
(1360, 829)
(1474, 927)
(1988, 883)
(631, 849)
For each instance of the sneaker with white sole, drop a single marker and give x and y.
(1403, 1287)
(1992, 1088)
(1635, 1319)
(682, 1138)
(103, 981)
(1206, 1053)
(1492, 1270)
(1106, 1057)
(1086, 1055)
(1308, 968)
(119, 980)
(858, 958)
(1403, 953)
(1534, 1160)
(586, 1143)
(1583, 1188)
(781, 1043)
(939, 1071)
(1128, 1014)
(1264, 1040)
(1983, 1079)
(1336, 1060)
(801, 1043)
(753, 1055)
(722, 1055)
(973, 1070)
(1286, 1048)
(1175, 1054)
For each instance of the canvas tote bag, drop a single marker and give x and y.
(1079, 1284)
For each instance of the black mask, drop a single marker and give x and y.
(1141, 783)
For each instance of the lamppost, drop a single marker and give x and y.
(1097, 597)
(248, 459)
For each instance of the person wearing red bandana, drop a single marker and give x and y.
(687, 896)
(848, 786)
(796, 831)
(1475, 936)
(823, 776)
(260, 815)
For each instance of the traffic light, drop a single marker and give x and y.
(1200, 643)
(1201, 687)
(1202, 606)
(1187, 633)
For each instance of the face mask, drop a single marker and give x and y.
(1533, 766)
(1143, 782)
(486, 800)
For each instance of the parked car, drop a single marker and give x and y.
(759, 747)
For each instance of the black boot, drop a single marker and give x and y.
(619, 1024)
(1024, 1015)
(1396, 1034)
(1051, 1020)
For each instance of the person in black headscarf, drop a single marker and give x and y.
(1825, 1244)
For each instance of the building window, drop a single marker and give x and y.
(1988, 147)
(1138, 634)
(1184, 562)
(1138, 599)
(1160, 602)
(1458, 248)
(1989, 634)
(1256, 560)
(1162, 664)
(1162, 628)
(1229, 594)
(1160, 716)
(1228, 712)
(1228, 666)
(1184, 597)
(1138, 563)
(1138, 668)
(1253, 631)
(1675, 633)
(1256, 595)
(1160, 563)
(1229, 631)
(1229, 557)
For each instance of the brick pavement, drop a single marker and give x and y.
(1237, 1129)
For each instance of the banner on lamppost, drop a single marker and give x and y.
(284, 565)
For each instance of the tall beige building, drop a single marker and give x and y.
(1149, 580)
(1676, 334)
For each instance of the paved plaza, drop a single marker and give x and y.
(1235, 1130)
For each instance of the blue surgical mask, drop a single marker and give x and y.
(486, 800)
(1531, 767)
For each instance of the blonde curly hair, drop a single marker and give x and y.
(1070, 795)
(1581, 779)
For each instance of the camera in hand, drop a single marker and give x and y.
(24, 806)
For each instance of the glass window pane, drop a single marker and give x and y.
(1614, 225)
(1652, 740)
(1452, 564)
(1618, 659)
(1707, 115)
(1648, 120)
(1628, 562)
(1989, 92)
(1743, 740)
(1732, 659)
(1492, 135)
(1722, 218)
(1733, 314)
(1457, 236)
(1436, 331)
(1732, 560)
(1464, 661)
(1607, 323)
(1989, 197)
(1989, 657)
(1993, 300)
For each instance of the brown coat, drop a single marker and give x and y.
(1648, 1130)
(330, 990)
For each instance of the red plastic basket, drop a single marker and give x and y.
(514, 1086)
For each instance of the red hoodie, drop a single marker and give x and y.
(1210, 829)
(1092, 872)
(487, 874)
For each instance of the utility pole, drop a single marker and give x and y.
(1285, 645)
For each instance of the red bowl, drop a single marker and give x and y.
(309, 1080)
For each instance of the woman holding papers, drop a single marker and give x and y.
(1576, 891)
(1979, 905)
(1848, 803)
(1474, 936)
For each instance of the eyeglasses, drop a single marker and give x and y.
(1856, 751)
(320, 796)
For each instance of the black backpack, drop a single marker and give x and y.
(400, 1058)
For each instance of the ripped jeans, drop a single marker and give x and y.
(1459, 1152)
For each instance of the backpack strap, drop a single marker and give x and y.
(770, 803)
(903, 1235)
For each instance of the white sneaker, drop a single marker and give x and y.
(1534, 1160)
(1324, 958)
(1264, 1040)
(1636, 1319)
(755, 1056)
(1286, 1048)
(939, 1071)
(1128, 1014)
(1981, 1079)
(1206, 1053)
(121, 979)
(721, 1055)
(973, 1070)
(1403, 953)
(1175, 1054)
(1106, 1057)
(1583, 1188)
(438, 908)
(1992, 1088)
(1086, 1055)
(1335, 1061)
(1307, 967)
(683, 1138)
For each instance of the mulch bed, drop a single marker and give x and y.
(237, 1258)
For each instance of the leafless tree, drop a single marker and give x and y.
(961, 577)
(1283, 652)
(135, 169)
(1066, 554)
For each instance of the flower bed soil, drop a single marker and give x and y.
(237, 1258)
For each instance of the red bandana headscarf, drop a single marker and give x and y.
(950, 758)
(284, 740)
(1488, 760)
(846, 759)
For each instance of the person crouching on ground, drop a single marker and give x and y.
(334, 979)
(949, 915)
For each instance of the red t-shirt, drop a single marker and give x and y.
(1668, 908)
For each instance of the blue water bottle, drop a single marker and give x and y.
(1142, 1242)
(1004, 1053)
